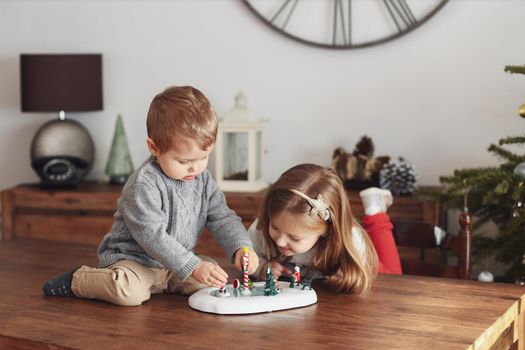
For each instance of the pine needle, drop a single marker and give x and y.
(515, 69)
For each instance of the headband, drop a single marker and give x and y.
(319, 206)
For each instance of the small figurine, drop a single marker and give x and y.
(270, 287)
(307, 283)
(223, 293)
(297, 274)
(246, 279)
(236, 286)
(292, 281)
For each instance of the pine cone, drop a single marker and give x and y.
(398, 177)
(364, 147)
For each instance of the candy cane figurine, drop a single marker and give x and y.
(246, 279)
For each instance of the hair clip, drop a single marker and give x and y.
(319, 206)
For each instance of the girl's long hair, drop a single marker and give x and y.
(347, 269)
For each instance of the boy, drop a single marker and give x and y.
(164, 206)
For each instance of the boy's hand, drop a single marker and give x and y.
(210, 274)
(253, 260)
(277, 269)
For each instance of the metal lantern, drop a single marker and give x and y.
(239, 150)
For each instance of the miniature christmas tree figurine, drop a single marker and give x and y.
(270, 287)
(119, 166)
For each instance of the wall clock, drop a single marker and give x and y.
(344, 24)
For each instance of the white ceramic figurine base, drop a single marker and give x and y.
(210, 300)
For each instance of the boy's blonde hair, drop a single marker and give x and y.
(181, 111)
(337, 256)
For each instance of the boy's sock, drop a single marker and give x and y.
(376, 200)
(60, 285)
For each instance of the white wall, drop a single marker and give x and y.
(437, 96)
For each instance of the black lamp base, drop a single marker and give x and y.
(118, 179)
(62, 153)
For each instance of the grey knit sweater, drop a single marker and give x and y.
(159, 219)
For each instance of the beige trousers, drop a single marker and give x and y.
(129, 283)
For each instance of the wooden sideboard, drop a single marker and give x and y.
(85, 214)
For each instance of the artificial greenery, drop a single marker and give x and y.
(119, 165)
(270, 287)
(495, 194)
(515, 69)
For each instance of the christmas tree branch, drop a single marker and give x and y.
(517, 224)
(503, 153)
(464, 178)
(484, 247)
(519, 140)
(515, 69)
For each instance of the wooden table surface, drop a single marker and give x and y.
(401, 312)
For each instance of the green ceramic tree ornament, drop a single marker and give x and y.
(119, 166)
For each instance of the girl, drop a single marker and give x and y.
(306, 220)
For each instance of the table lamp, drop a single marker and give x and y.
(62, 150)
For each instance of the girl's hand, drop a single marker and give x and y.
(277, 269)
(253, 260)
(210, 274)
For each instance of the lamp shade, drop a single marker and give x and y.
(61, 82)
